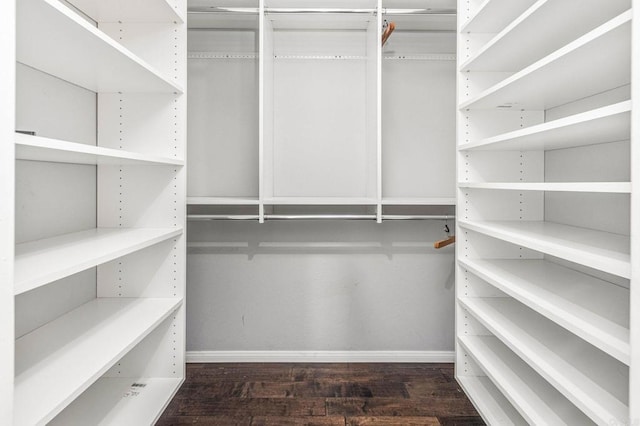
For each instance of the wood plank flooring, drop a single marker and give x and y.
(320, 394)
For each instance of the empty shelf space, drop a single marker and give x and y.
(320, 201)
(222, 201)
(611, 123)
(602, 187)
(596, 249)
(593, 381)
(410, 201)
(536, 400)
(74, 350)
(40, 262)
(493, 15)
(593, 63)
(56, 40)
(38, 148)
(593, 309)
(129, 11)
(120, 401)
(514, 47)
(489, 401)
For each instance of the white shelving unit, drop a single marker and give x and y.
(322, 117)
(97, 135)
(545, 279)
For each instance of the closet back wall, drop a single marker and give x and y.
(319, 286)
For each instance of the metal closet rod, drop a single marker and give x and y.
(319, 217)
(255, 10)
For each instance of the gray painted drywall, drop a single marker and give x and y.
(314, 285)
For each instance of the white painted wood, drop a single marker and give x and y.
(43, 261)
(607, 124)
(494, 408)
(593, 381)
(415, 201)
(221, 201)
(7, 206)
(128, 11)
(607, 187)
(37, 148)
(75, 349)
(514, 48)
(54, 39)
(593, 309)
(493, 15)
(634, 374)
(120, 401)
(596, 249)
(319, 201)
(536, 400)
(581, 68)
(320, 356)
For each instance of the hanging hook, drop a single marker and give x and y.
(449, 240)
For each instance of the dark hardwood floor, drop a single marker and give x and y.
(320, 394)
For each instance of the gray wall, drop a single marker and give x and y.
(314, 285)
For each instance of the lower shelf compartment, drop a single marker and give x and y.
(57, 362)
(536, 400)
(120, 401)
(489, 401)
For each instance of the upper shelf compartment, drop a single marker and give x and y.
(493, 15)
(595, 62)
(129, 10)
(55, 39)
(514, 48)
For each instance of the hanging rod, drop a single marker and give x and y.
(213, 9)
(277, 10)
(319, 217)
(408, 12)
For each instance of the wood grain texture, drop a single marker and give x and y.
(320, 394)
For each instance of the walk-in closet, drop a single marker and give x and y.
(353, 212)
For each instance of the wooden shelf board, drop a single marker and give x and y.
(129, 11)
(418, 201)
(493, 15)
(513, 48)
(611, 123)
(40, 262)
(494, 408)
(593, 381)
(534, 398)
(36, 148)
(318, 201)
(114, 401)
(222, 201)
(594, 310)
(594, 63)
(596, 249)
(58, 361)
(56, 40)
(600, 187)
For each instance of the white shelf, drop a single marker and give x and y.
(514, 47)
(596, 249)
(56, 40)
(594, 310)
(58, 361)
(411, 201)
(320, 201)
(114, 401)
(222, 201)
(589, 378)
(536, 400)
(607, 124)
(38, 148)
(129, 11)
(493, 15)
(595, 62)
(40, 262)
(600, 187)
(489, 401)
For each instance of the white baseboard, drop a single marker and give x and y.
(321, 356)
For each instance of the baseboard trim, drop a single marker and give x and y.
(320, 356)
